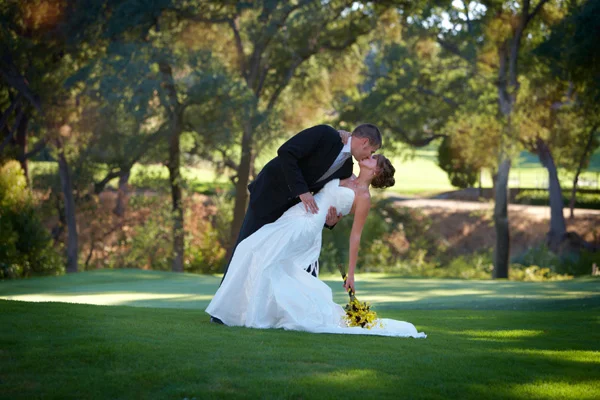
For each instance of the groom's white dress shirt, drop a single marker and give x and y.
(339, 161)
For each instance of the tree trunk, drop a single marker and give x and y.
(122, 193)
(557, 220)
(67, 189)
(9, 137)
(480, 185)
(587, 149)
(573, 195)
(58, 229)
(494, 175)
(502, 249)
(176, 196)
(175, 113)
(241, 191)
(21, 142)
(6, 113)
(507, 80)
(508, 88)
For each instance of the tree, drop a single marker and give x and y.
(148, 68)
(571, 54)
(271, 42)
(20, 41)
(475, 45)
(36, 58)
(586, 149)
(506, 31)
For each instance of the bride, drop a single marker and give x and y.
(267, 286)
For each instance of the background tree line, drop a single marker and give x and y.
(100, 87)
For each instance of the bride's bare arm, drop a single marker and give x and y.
(362, 206)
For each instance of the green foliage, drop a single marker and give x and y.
(390, 237)
(149, 245)
(472, 266)
(44, 176)
(374, 254)
(207, 257)
(411, 90)
(400, 240)
(541, 198)
(145, 240)
(571, 49)
(207, 253)
(534, 273)
(460, 172)
(475, 131)
(25, 244)
(539, 255)
(223, 216)
(546, 263)
(469, 266)
(579, 263)
(150, 177)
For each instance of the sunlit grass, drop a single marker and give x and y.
(503, 334)
(164, 289)
(110, 299)
(419, 175)
(543, 389)
(590, 357)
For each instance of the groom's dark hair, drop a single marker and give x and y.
(370, 132)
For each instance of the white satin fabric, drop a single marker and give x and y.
(267, 286)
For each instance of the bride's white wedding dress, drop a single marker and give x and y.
(267, 286)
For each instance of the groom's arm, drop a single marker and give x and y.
(298, 147)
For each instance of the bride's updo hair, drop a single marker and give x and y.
(385, 176)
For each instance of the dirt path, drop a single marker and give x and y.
(467, 226)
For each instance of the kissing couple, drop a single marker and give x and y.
(308, 186)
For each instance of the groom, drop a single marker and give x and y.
(304, 164)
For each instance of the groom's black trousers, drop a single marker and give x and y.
(251, 224)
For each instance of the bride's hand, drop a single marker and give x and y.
(349, 283)
(344, 135)
(332, 217)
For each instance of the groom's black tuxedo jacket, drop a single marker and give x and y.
(300, 162)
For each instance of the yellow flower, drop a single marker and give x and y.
(357, 313)
(360, 314)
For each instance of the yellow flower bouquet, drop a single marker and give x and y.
(357, 313)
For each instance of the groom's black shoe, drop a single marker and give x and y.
(216, 320)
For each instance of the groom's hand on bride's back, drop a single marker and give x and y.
(309, 202)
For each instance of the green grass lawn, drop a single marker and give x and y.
(486, 339)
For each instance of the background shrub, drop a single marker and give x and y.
(569, 263)
(542, 198)
(25, 245)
